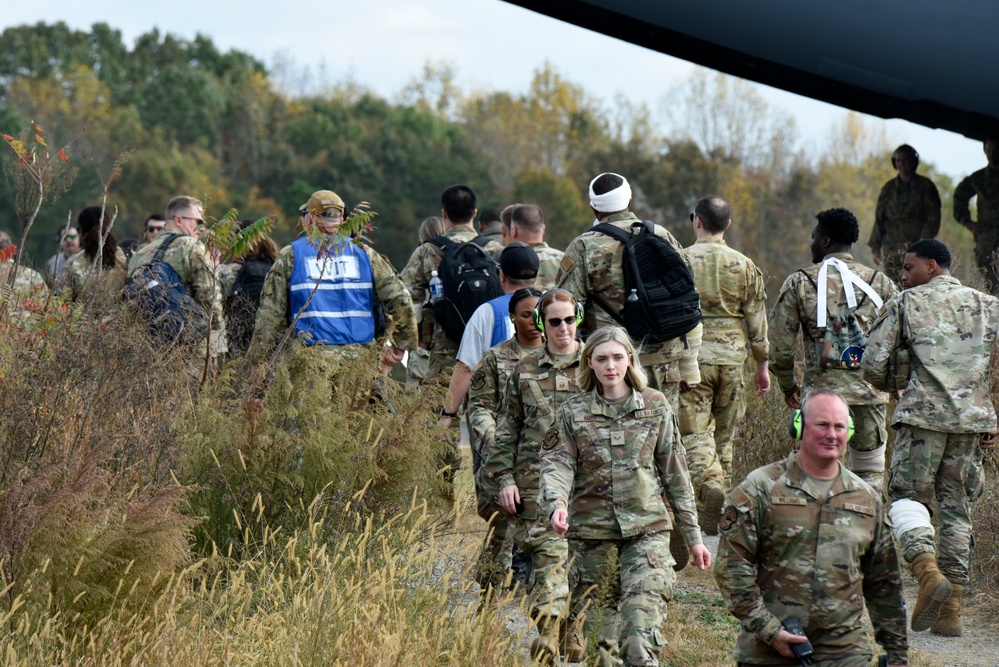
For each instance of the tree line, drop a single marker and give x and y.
(191, 119)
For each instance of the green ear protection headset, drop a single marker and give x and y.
(796, 423)
(539, 320)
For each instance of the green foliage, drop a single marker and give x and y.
(326, 427)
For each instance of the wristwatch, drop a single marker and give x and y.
(445, 413)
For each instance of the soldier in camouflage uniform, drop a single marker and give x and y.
(733, 304)
(592, 266)
(192, 263)
(539, 383)
(527, 224)
(436, 351)
(341, 314)
(943, 420)
(27, 282)
(805, 538)
(611, 455)
(908, 210)
(484, 404)
(797, 309)
(984, 185)
(76, 274)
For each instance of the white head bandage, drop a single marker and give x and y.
(615, 200)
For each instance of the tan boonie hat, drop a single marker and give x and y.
(320, 201)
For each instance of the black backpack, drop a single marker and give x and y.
(668, 305)
(162, 300)
(240, 308)
(470, 277)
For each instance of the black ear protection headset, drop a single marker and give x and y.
(796, 423)
(904, 147)
(539, 320)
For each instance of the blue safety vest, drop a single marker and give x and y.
(502, 328)
(342, 311)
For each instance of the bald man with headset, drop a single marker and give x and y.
(805, 543)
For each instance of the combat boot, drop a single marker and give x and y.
(934, 590)
(544, 649)
(712, 499)
(573, 645)
(949, 622)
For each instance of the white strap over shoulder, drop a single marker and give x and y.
(849, 280)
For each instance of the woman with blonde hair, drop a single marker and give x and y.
(606, 463)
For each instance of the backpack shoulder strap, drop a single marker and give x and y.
(610, 230)
(158, 255)
(444, 243)
(481, 240)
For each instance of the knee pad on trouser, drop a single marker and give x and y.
(908, 516)
(870, 461)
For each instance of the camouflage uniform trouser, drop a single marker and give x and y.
(869, 433)
(424, 365)
(638, 595)
(845, 661)
(664, 378)
(708, 417)
(986, 245)
(948, 467)
(549, 553)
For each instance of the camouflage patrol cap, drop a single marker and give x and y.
(320, 201)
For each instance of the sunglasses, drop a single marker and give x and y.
(154, 229)
(200, 221)
(693, 216)
(69, 236)
(555, 322)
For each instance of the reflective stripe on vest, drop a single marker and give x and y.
(341, 312)
(502, 329)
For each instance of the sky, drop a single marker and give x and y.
(493, 45)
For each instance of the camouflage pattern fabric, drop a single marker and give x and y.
(28, 282)
(632, 612)
(929, 465)
(796, 310)
(536, 387)
(948, 388)
(784, 552)
(416, 277)
(550, 259)
(73, 282)
(983, 184)
(226, 274)
(549, 586)
(907, 212)
(733, 304)
(869, 427)
(708, 416)
(593, 265)
(484, 396)
(191, 261)
(274, 315)
(610, 464)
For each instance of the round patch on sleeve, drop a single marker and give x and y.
(478, 380)
(728, 518)
(550, 439)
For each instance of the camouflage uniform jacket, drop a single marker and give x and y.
(949, 353)
(274, 315)
(784, 552)
(550, 259)
(593, 265)
(983, 184)
(416, 277)
(485, 390)
(796, 309)
(733, 304)
(191, 261)
(538, 385)
(906, 212)
(28, 281)
(609, 466)
(73, 282)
